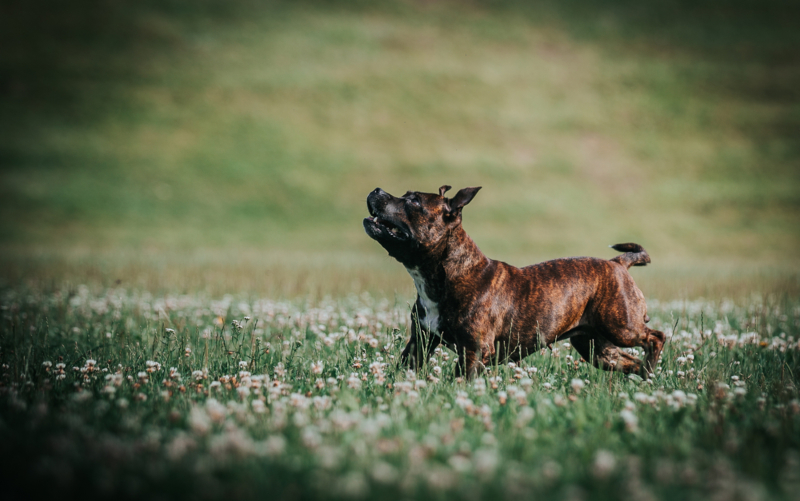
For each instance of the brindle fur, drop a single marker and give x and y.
(490, 311)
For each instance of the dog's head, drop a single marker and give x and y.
(413, 228)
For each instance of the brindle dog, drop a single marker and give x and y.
(488, 311)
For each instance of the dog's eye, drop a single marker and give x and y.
(413, 201)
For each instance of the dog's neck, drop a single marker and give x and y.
(461, 257)
(457, 263)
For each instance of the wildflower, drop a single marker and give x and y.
(577, 385)
(485, 461)
(630, 420)
(169, 331)
(604, 464)
(243, 391)
(258, 406)
(462, 400)
(274, 445)
(353, 381)
(502, 397)
(384, 473)
(47, 365)
(280, 370)
(243, 364)
(215, 410)
(524, 416)
(316, 367)
(310, 437)
(321, 403)
(187, 352)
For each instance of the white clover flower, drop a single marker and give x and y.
(630, 420)
(317, 367)
(524, 416)
(258, 406)
(215, 410)
(485, 461)
(604, 464)
(274, 445)
(354, 382)
(502, 397)
(462, 400)
(199, 422)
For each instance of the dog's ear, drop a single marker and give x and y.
(443, 190)
(462, 198)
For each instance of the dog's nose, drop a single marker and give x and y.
(377, 191)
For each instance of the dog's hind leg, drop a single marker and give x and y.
(653, 344)
(602, 354)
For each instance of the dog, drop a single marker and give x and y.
(488, 311)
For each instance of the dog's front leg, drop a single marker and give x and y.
(469, 359)
(420, 346)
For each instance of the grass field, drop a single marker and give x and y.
(125, 394)
(169, 168)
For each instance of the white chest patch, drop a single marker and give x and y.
(431, 320)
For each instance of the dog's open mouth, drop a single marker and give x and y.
(388, 228)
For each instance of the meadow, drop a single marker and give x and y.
(126, 394)
(190, 307)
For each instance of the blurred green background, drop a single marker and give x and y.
(225, 140)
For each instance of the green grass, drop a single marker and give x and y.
(250, 125)
(726, 425)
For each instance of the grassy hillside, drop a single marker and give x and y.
(247, 127)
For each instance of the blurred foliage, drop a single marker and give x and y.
(263, 125)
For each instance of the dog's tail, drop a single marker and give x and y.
(635, 255)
